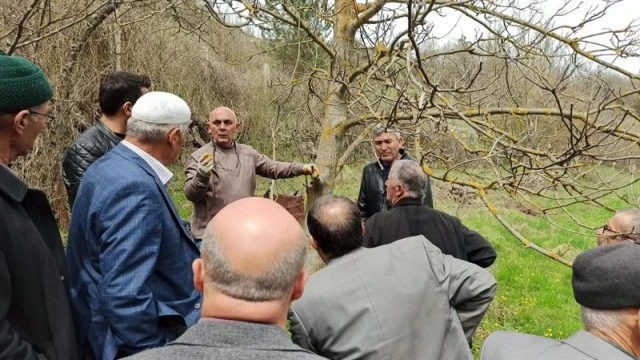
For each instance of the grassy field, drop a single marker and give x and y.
(534, 292)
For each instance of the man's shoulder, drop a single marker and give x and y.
(406, 156)
(323, 285)
(372, 166)
(507, 345)
(91, 137)
(115, 168)
(246, 149)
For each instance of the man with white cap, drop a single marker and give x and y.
(129, 255)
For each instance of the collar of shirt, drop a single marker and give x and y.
(163, 173)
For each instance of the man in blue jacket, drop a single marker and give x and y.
(129, 255)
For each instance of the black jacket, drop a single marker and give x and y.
(35, 315)
(87, 148)
(410, 218)
(373, 193)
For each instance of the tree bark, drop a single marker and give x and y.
(336, 111)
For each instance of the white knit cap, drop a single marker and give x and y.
(161, 107)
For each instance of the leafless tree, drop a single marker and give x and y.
(537, 103)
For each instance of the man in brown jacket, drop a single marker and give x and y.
(223, 171)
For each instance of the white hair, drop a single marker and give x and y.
(150, 132)
(602, 320)
(410, 174)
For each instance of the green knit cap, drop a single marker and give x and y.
(22, 84)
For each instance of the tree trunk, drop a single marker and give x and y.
(336, 101)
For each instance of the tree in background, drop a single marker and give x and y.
(534, 104)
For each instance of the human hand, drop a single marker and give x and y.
(311, 169)
(205, 164)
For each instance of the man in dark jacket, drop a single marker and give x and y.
(35, 317)
(118, 92)
(387, 144)
(409, 217)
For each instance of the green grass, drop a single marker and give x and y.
(534, 292)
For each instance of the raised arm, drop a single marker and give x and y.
(196, 184)
(272, 169)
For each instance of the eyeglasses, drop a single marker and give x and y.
(49, 117)
(600, 231)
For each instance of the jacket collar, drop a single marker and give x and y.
(408, 202)
(595, 347)
(105, 130)
(11, 185)
(228, 333)
(404, 155)
(128, 154)
(346, 256)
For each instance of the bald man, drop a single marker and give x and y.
(253, 254)
(223, 171)
(623, 226)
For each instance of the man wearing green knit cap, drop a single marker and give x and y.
(35, 317)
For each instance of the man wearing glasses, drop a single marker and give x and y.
(623, 226)
(223, 171)
(35, 316)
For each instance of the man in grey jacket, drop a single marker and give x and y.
(606, 284)
(405, 300)
(252, 268)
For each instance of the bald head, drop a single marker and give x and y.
(623, 226)
(223, 112)
(253, 250)
(334, 223)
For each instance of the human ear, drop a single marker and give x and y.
(126, 108)
(314, 243)
(298, 288)
(19, 121)
(175, 135)
(198, 274)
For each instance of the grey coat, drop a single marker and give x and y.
(234, 340)
(405, 300)
(503, 345)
